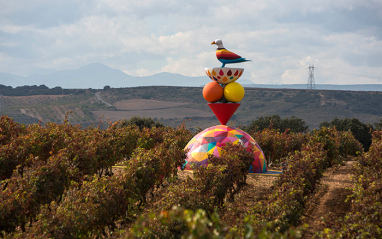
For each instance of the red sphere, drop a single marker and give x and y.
(213, 92)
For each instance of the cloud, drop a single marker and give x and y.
(150, 36)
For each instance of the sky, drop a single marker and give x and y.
(342, 38)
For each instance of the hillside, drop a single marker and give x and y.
(172, 105)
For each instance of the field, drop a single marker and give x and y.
(173, 105)
(313, 107)
(51, 108)
(159, 110)
(58, 181)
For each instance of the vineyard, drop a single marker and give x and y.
(58, 181)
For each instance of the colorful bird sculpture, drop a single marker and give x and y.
(225, 56)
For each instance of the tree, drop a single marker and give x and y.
(292, 124)
(142, 122)
(361, 131)
(43, 87)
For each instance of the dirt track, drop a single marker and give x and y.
(332, 197)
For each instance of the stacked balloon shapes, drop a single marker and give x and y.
(223, 95)
(223, 90)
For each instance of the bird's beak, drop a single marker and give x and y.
(212, 43)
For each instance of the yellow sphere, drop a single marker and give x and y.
(233, 92)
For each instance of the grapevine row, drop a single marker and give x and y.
(365, 217)
(50, 169)
(276, 216)
(56, 181)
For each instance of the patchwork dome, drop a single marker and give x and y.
(211, 141)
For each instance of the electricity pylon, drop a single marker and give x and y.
(311, 84)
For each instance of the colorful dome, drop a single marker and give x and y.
(211, 141)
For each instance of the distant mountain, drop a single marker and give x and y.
(97, 75)
(94, 76)
(11, 80)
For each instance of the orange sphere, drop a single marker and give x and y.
(213, 92)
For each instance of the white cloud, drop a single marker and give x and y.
(189, 66)
(149, 36)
